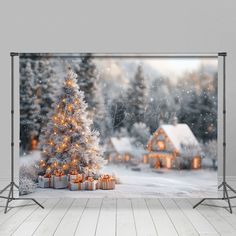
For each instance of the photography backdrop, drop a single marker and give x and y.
(189, 27)
(120, 125)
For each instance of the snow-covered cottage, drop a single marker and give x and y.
(173, 146)
(122, 150)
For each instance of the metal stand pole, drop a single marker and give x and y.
(12, 184)
(224, 185)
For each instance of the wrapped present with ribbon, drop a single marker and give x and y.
(107, 182)
(91, 184)
(83, 176)
(98, 184)
(77, 184)
(45, 181)
(60, 180)
(73, 174)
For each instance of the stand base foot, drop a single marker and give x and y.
(226, 187)
(11, 197)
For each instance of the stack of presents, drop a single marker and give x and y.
(76, 181)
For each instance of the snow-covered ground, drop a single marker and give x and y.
(146, 183)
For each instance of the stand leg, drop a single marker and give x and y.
(16, 185)
(8, 199)
(220, 185)
(38, 203)
(226, 193)
(5, 188)
(199, 203)
(230, 188)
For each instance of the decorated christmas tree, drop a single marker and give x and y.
(68, 143)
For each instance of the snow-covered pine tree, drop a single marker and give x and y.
(141, 133)
(29, 109)
(160, 103)
(46, 88)
(87, 78)
(68, 140)
(136, 99)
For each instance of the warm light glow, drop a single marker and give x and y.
(145, 159)
(168, 162)
(51, 143)
(161, 145)
(127, 157)
(63, 145)
(69, 82)
(196, 163)
(69, 107)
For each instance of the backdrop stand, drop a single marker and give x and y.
(12, 184)
(224, 185)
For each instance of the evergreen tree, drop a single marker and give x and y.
(87, 78)
(141, 134)
(68, 139)
(160, 104)
(136, 99)
(29, 109)
(46, 88)
(208, 112)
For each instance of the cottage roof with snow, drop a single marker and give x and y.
(121, 145)
(181, 136)
(124, 146)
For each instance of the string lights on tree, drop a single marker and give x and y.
(68, 142)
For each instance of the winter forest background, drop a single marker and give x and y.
(126, 96)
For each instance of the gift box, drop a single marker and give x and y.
(107, 182)
(60, 180)
(83, 176)
(72, 175)
(76, 184)
(45, 181)
(98, 184)
(91, 184)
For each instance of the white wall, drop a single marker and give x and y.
(116, 26)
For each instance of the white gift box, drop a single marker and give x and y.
(60, 181)
(77, 186)
(44, 182)
(98, 184)
(72, 177)
(108, 184)
(91, 185)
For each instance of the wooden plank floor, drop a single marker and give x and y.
(118, 217)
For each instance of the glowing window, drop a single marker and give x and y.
(160, 145)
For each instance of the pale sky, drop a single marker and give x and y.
(176, 67)
(169, 67)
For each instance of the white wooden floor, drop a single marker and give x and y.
(108, 217)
